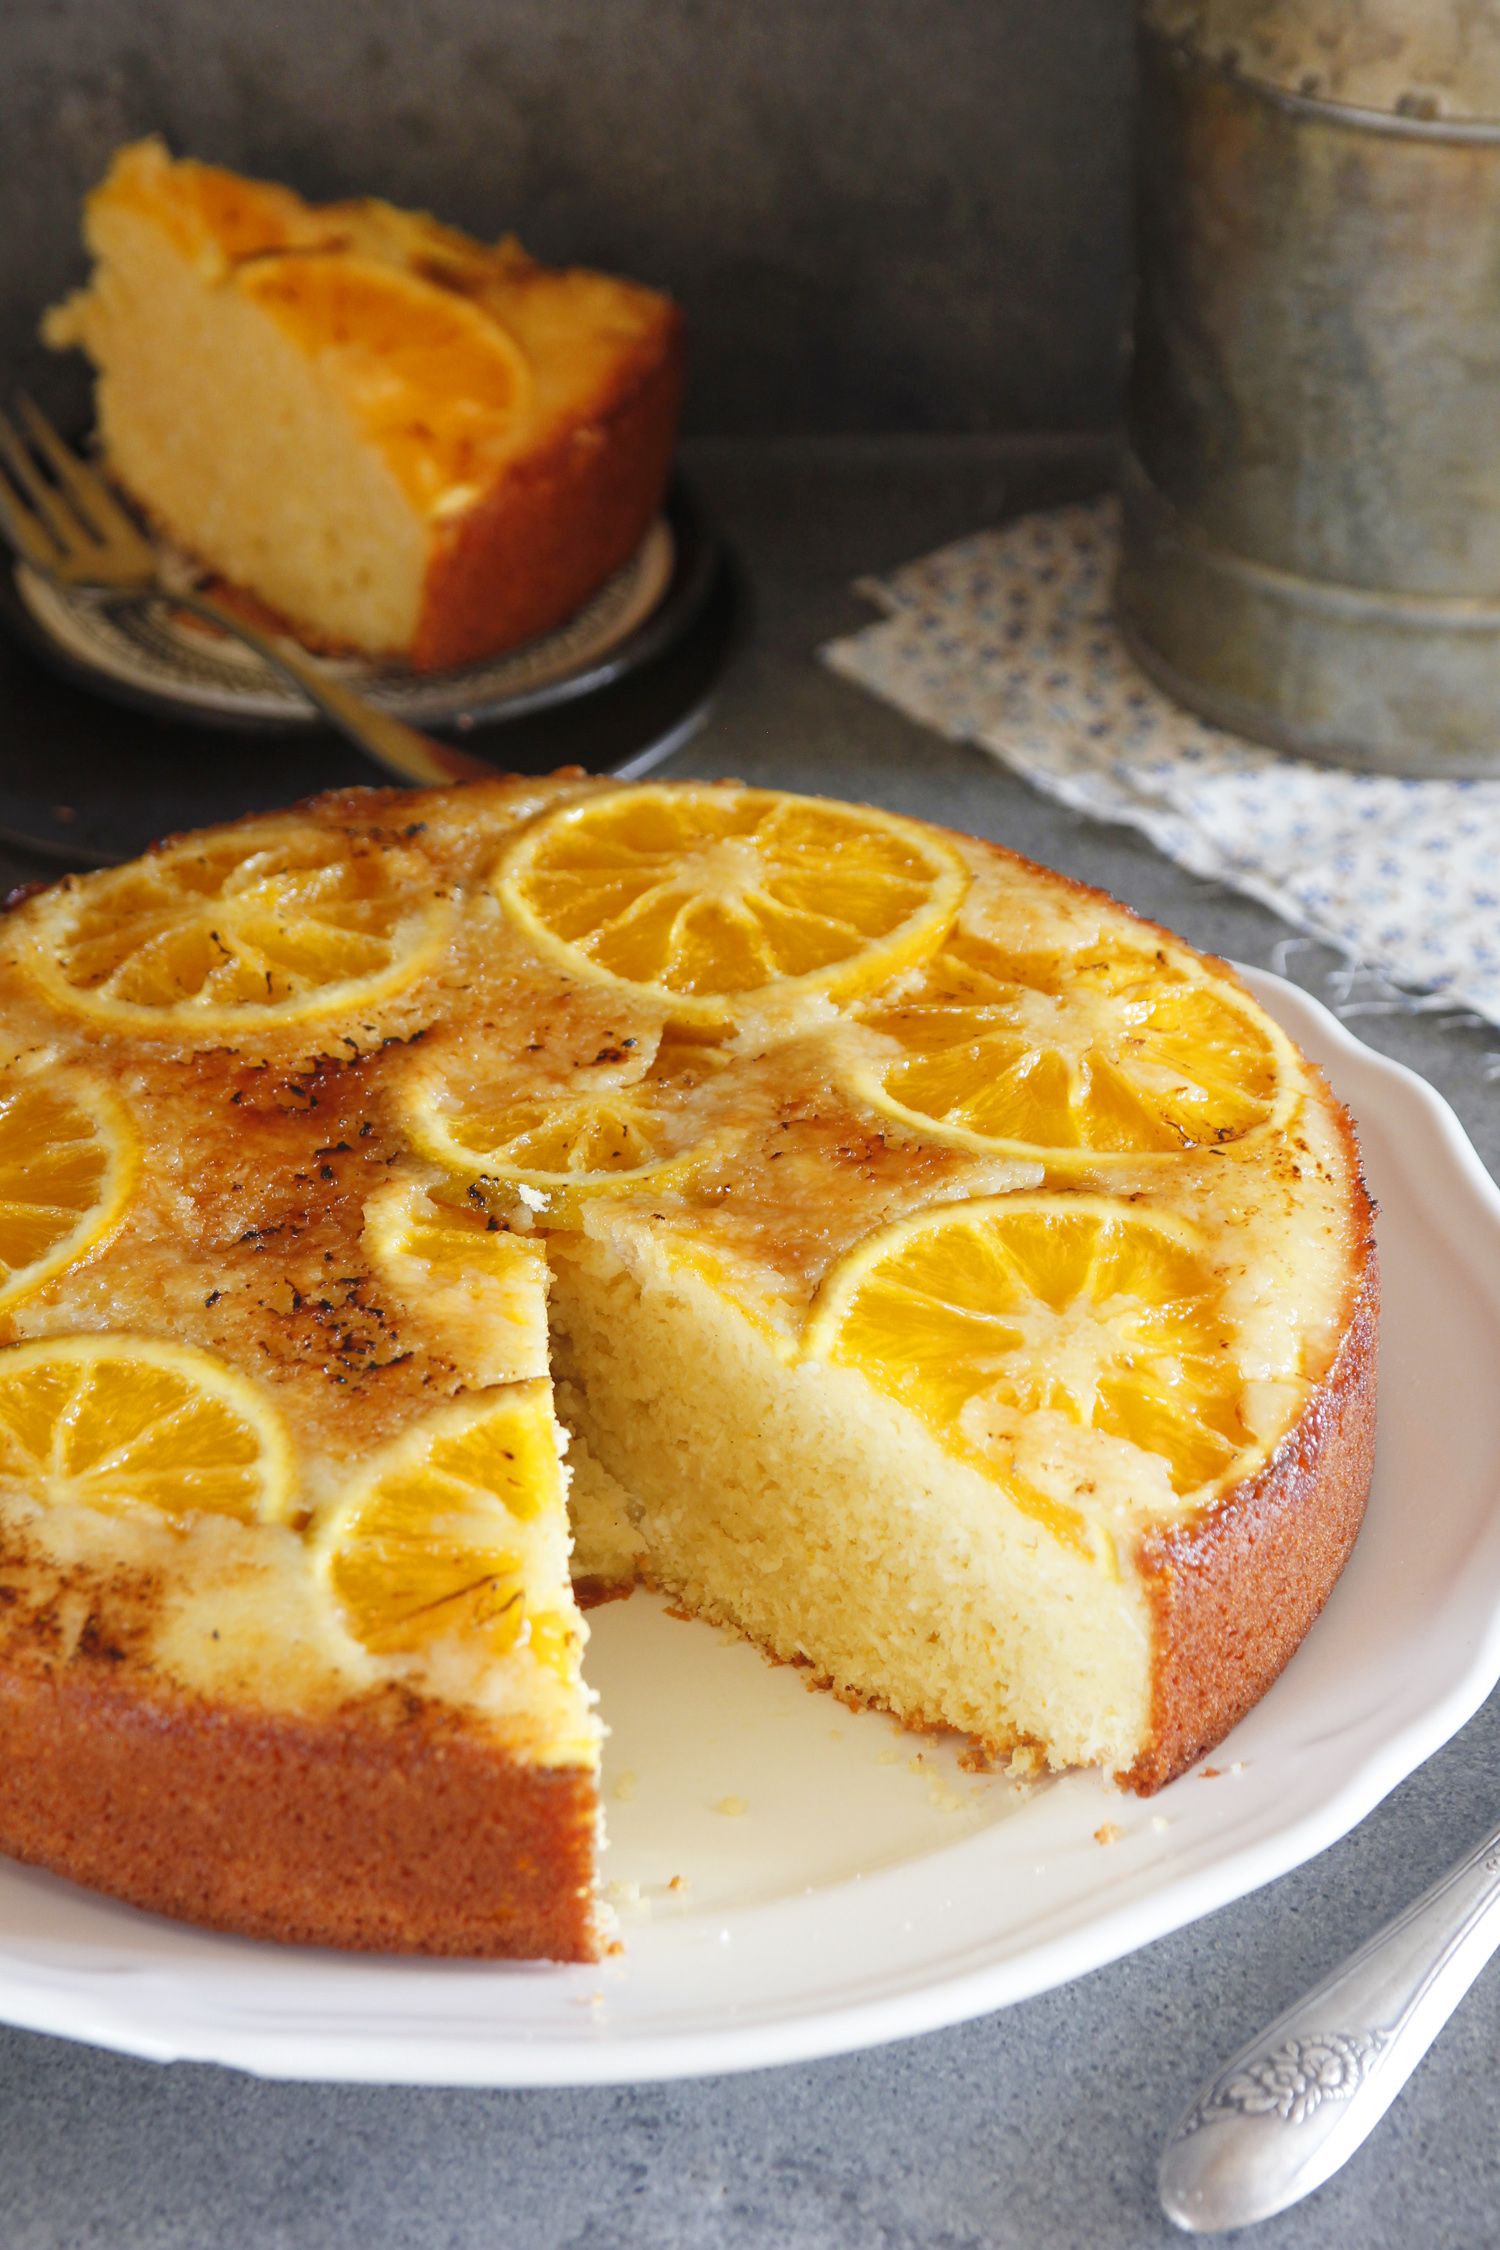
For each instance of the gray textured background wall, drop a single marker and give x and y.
(880, 214)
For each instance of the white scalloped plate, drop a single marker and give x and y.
(841, 1884)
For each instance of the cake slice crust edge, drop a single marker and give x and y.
(385, 1828)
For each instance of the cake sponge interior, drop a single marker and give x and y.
(797, 1505)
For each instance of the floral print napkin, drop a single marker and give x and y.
(1007, 640)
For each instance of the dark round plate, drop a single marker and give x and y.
(151, 658)
(87, 781)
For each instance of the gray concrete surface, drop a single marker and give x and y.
(878, 213)
(1035, 2129)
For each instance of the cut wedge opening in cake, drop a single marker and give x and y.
(935, 1572)
(825, 1523)
(456, 1207)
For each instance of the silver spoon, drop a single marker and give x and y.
(1296, 2102)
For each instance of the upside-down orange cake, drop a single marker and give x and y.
(957, 1285)
(395, 438)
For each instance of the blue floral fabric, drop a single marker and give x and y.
(1007, 640)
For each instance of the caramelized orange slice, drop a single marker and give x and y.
(699, 897)
(236, 932)
(428, 376)
(69, 1156)
(1075, 1345)
(1094, 1055)
(430, 1542)
(125, 1423)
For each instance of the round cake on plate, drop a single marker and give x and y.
(422, 1214)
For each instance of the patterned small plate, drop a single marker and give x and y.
(181, 666)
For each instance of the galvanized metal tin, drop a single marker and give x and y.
(1312, 482)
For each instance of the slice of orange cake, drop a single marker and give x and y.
(396, 438)
(957, 1285)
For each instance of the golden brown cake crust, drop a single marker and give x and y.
(558, 522)
(1235, 1593)
(382, 1829)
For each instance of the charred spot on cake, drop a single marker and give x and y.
(55, 1612)
(100, 1643)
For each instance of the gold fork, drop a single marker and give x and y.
(61, 517)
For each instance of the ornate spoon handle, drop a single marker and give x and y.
(1295, 2104)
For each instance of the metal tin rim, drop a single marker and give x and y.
(1399, 124)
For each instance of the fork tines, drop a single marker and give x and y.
(57, 512)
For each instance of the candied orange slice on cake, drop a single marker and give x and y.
(1103, 1053)
(423, 371)
(69, 1156)
(1074, 1341)
(432, 1541)
(700, 898)
(620, 1124)
(238, 931)
(124, 1423)
(478, 1291)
